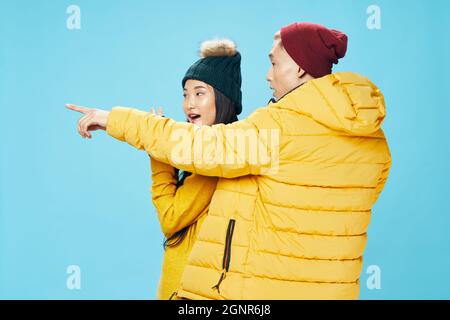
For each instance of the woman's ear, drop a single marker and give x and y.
(300, 73)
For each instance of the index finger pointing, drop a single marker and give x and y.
(77, 108)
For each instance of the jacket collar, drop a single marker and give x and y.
(272, 100)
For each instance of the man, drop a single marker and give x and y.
(293, 227)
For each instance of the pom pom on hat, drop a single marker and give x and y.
(218, 48)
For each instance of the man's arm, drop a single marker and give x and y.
(245, 147)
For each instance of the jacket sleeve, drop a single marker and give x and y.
(182, 206)
(218, 150)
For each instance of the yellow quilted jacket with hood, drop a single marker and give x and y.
(298, 232)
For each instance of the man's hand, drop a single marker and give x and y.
(93, 119)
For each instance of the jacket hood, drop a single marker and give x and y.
(342, 101)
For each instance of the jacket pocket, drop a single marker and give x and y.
(226, 254)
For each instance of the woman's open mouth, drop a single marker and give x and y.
(194, 118)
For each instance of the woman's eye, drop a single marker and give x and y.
(199, 93)
(184, 95)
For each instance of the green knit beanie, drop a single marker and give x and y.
(220, 67)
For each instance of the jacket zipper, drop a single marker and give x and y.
(226, 254)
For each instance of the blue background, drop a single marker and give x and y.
(69, 201)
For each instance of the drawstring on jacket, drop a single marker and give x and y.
(222, 277)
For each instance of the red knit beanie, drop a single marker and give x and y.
(314, 47)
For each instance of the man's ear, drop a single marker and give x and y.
(300, 73)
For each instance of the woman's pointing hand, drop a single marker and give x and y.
(92, 119)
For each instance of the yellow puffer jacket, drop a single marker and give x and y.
(297, 232)
(177, 208)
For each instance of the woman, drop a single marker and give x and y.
(212, 95)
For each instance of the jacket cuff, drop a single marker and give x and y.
(115, 123)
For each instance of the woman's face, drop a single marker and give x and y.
(199, 102)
